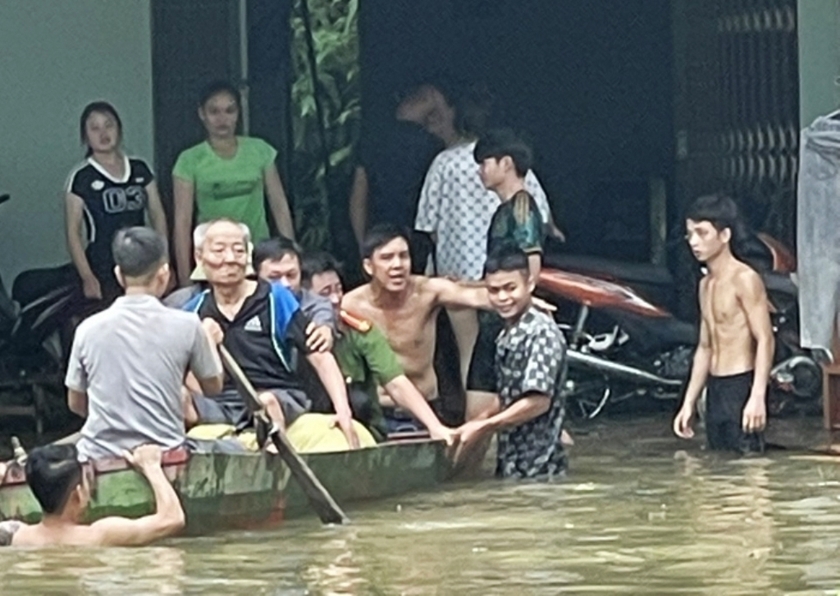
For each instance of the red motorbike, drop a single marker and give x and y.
(623, 345)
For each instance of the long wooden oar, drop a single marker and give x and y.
(320, 500)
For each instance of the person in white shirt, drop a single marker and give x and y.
(456, 209)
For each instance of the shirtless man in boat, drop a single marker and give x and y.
(735, 351)
(364, 355)
(405, 308)
(59, 483)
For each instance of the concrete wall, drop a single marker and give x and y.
(819, 58)
(56, 56)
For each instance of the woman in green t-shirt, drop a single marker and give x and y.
(225, 176)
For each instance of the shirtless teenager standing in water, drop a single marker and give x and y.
(735, 351)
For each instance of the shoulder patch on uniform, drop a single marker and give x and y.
(354, 322)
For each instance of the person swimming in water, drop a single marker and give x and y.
(57, 479)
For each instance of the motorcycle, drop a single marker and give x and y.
(622, 345)
(33, 320)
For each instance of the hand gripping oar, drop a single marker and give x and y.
(320, 500)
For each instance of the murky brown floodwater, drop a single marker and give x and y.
(640, 513)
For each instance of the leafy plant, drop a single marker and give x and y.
(335, 41)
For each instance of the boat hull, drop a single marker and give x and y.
(248, 490)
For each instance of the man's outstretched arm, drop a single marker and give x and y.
(522, 410)
(460, 295)
(167, 519)
(406, 395)
(455, 295)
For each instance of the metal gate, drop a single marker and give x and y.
(759, 108)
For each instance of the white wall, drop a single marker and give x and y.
(819, 58)
(56, 56)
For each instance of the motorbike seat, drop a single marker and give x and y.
(641, 273)
(780, 283)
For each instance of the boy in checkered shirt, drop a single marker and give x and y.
(530, 367)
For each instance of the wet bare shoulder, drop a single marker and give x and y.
(748, 282)
(357, 298)
(426, 289)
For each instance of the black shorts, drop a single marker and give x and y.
(482, 373)
(725, 401)
(229, 408)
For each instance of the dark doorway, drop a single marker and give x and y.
(589, 82)
(193, 43)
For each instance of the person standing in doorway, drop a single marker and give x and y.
(455, 208)
(388, 178)
(504, 161)
(105, 193)
(226, 176)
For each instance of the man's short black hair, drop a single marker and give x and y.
(507, 258)
(139, 251)
(317, 263)
(52, 472)
(380, 235)
(274, 249)
(503, 142)
(719, 210)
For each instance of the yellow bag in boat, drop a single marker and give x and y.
(209, 432)
(310, 433)
(315, 433)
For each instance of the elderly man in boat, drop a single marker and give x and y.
(262, 326)
(127, 363)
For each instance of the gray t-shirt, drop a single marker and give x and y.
(131, 360)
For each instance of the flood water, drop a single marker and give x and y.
(639, 513)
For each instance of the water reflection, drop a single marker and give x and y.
(154, 571)
(639, 513)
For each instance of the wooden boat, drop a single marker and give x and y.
(247, 490)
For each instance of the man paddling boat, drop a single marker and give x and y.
(261, 323)
(128, 362)
(60, 486)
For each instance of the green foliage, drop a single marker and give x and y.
(336, 42)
